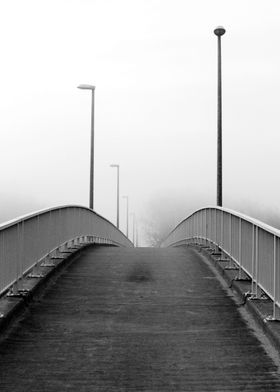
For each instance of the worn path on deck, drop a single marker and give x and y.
(135, 320)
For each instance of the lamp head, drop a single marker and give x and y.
(86, 87)
(219, 31)
(114, 165)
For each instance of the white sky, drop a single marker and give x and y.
(154, 66)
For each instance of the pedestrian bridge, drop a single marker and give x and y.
(117, 318)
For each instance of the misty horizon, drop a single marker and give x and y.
(154, 67)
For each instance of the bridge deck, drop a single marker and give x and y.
(135, 320)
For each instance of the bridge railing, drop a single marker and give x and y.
(28, 241)
(249, 243)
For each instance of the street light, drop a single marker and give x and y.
(118, 194)
(219, 31)
(133, 227)
(91, 178)
(136, 233)
(126, 197)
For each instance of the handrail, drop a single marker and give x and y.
(44, 210)
(248, 218)
(253, 245)
(29, 239)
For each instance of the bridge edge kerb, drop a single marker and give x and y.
(259, 316)
(40, 287)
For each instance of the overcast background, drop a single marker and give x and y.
(154, 66)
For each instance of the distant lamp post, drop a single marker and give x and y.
(136, 234)
(219, 31)
(126, 197)
(134, 237)
(91, 178)
(118, 194)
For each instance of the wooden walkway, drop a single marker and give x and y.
(135, 320)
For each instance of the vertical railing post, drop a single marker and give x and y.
(201, 227)
(255, 275)
(276, 310)
(274, 279)
(23, 245)
(240, 249)
(222, 233)
(230, 240)
(192, 226)
(210, 223)
(195, 227)
(50, 231)
(253, 259)
(3, 258)
(257, 261)
(14, 291)
(20, 248)
(16, 284)
(216, 231)
(206, 226)
(35, 269)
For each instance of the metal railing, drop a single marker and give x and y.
(252, 245)
(31, 240)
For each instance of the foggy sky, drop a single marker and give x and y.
(154, 67)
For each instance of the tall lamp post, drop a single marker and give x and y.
(219, 31)
(91, 178)
(126, 197)
(118, 194)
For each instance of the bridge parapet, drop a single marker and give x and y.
(35, 239)
(251, 244)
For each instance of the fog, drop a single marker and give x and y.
(154, 66)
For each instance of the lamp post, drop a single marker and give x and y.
(118, 194)
(126, 197)
(133, 227)
(136, 233)
(91, 178)
(219, 31)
